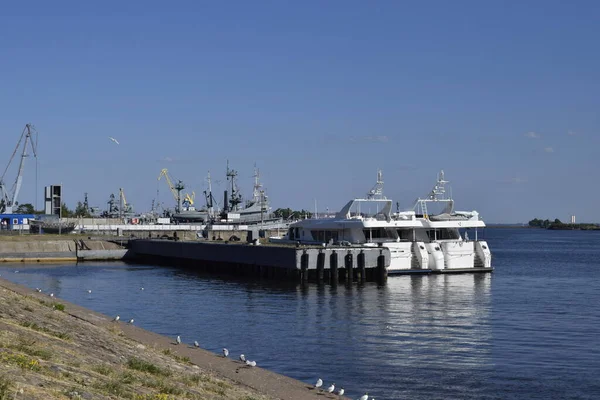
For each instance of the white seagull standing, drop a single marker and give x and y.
(89, 291)
(341, 392)
(116, 319)
(319, 383)
(196, 344)
(131, 321)
(114, 140)
(331, 388)
(178, 339)
(242, 358)
(364, 396)
(225, 352)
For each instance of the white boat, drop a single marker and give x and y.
(421, 239)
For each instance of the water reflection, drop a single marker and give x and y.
(385, 339)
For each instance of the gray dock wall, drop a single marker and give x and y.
(304, 263)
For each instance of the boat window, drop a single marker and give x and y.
(442, 234)
(377, 233)
(291, 233)
(405, 234)
(325, 236)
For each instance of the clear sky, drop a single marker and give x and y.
(502, 95)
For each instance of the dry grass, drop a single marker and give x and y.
(49, 354)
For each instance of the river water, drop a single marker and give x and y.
(530, 330)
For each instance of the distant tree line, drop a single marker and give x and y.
(545, 223)
(66, 212)
(557, 224)
(288, 213)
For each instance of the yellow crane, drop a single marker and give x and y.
(189, 198)
(176, 189)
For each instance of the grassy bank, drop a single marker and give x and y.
(51, 349)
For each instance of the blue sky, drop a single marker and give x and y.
(504, 96)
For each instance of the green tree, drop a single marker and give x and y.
(283, 213)
(536, 223)
(25, 208)
(65, 212)
(81, 210)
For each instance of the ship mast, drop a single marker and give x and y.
(377, 192)
(236, 198)
(209, 196)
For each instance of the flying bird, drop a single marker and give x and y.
(331, 388)
(242, 358)
(225, 352)
(319, 383)
(114, 140)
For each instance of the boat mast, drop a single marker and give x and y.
(235, 196)
(376, 193)
(209, 196)
(256, 192)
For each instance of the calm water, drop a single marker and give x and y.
(530, 330)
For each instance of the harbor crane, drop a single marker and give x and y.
(8, 199)
(175, 188)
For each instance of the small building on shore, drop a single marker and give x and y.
(15, 222)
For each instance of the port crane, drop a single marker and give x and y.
(176, 189)
(8, 199)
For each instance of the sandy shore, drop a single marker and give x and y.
(53, 349)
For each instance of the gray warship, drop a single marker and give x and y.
(254, 211)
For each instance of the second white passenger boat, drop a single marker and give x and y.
(417, 240)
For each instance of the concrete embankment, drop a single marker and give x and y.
(53, 349)
(58, 248)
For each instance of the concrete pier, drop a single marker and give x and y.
(281, 262)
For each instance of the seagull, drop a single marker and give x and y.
(251, 363)
(196, 344)
(341, 392)
(331, 388)
(38, 290)
(89, 290)
(364, 396)
(178, 339)
(141, 288)
(319, 383)
(17, 271)
(131, 321)
(242, 358)
(116, 319)
(225, 352)
(51, 294)
(114, 140)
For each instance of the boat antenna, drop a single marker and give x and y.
(376, 193)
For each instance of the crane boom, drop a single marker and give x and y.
(9, 199)
(175, 188)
